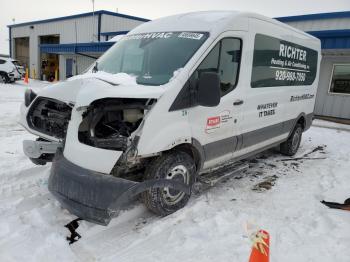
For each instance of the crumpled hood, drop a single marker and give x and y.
(64, 91)
(98, 89)
(81, 91)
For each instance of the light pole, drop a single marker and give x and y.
(93, 20)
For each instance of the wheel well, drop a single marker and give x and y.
(192, 151)
(302, 121)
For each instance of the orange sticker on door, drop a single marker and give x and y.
(215, 122)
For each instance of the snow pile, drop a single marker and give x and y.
(281, 196)
(115, 79)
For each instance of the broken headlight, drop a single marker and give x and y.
(109, 123)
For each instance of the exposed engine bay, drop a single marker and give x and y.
(50, 117)
(108, 123)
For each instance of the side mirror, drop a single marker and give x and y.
(29, 96)
(209, 89)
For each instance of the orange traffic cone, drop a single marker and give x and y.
(261, 247)
(26, 80)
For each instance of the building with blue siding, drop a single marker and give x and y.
(333, 29)
(67, 45)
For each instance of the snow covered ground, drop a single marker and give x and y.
(282, 197)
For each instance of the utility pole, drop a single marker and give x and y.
(93, 20)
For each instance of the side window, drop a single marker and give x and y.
(223, 59)
(2, 62)
(230, 59)
(277, 62)
(211, 62)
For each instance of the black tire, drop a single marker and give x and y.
(174, 165)
(291, 146)
(4, 78)
(38, 161)
(43, 159)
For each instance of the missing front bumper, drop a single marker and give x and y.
(94, 196)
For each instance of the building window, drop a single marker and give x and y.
(340, 83)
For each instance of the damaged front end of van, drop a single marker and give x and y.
(107, 134)
(102, 129)
(93, 146)
(94, 196)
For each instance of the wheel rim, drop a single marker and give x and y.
(178, 173)
(296, 140)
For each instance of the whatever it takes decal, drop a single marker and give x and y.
(268, 109)
(278, 62)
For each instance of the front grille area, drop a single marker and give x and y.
(49, 116)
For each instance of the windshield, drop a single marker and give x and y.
(151, 57)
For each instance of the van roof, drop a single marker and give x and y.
(205, 21)
(214, 22)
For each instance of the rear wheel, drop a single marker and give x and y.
(178, 166)
(291, 146)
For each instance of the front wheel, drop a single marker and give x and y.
(4, 78)
(178, 166)
(291, 146)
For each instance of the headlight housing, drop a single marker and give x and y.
(29, 96)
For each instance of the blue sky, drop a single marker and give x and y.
(26, 10)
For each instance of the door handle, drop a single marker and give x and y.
(238, 102)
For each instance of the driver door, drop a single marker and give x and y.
(216, 128)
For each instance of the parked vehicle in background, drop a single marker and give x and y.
(10, 70)
(168, 102)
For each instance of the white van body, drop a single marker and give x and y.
(271, 91)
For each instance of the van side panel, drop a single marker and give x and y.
(266, 117)
(270, 111)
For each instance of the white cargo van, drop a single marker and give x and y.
(173, 98)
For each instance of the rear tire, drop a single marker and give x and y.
(291, 146)
(178, 166)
